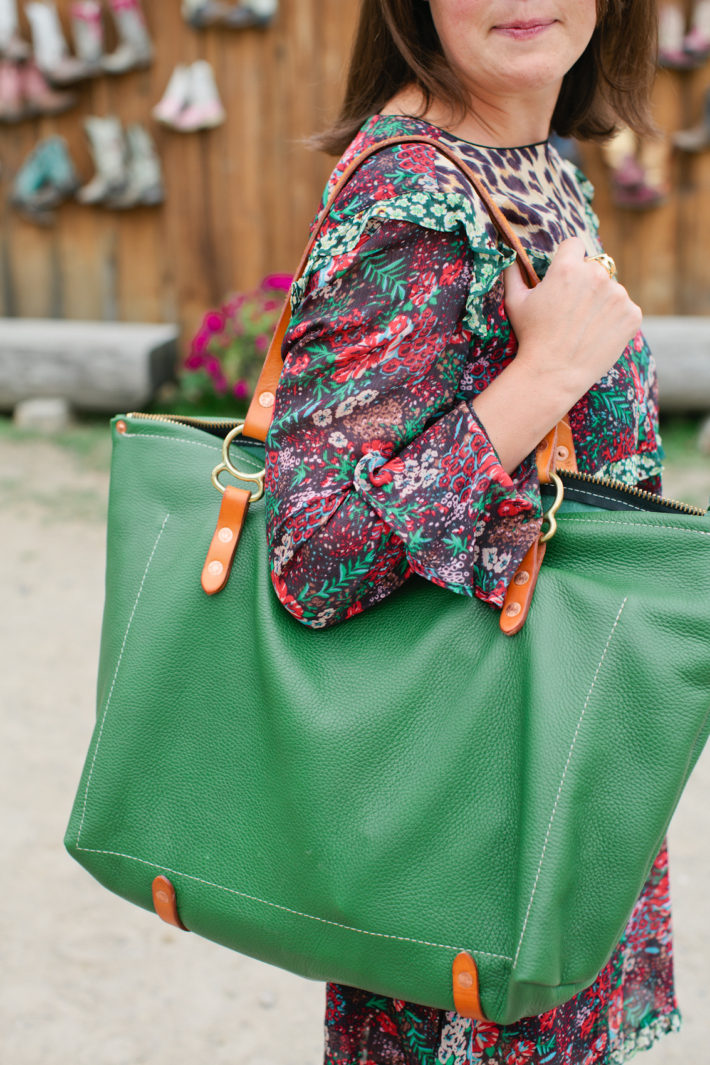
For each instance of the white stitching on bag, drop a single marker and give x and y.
(171, 440)
(564, 776)
(580, 518)
(286, 909)
(113, 682)
(611, 499)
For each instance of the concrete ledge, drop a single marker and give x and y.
(117, 366)
(681, 347)
(96, 366)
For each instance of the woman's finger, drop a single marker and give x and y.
(515, 285)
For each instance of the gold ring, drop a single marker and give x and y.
(606, 261)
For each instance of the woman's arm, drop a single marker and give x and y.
(377, 464)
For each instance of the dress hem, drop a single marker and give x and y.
(645, 1038)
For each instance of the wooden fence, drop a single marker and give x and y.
(239, 198)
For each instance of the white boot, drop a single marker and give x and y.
(145, 175)
(108, 150)
(11, 44)
(205, 110)
(135, 50)
(50, 48)
(263, 8)
(201, 13)
(251, 13)
(175, 98)
(88, 32)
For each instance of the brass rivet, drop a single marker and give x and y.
(162, 896)
(121, 427)
(226, 535)
(562, 454)
(216, 569)
(465, 980)
(513, 610)
(522, 577)
(267, 399)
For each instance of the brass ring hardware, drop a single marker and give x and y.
(551, 515)
(227, 466)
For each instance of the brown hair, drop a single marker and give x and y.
(396, 45)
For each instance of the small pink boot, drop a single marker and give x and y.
(204, 110)
(175, 98)
(40, 97)
(12, 104)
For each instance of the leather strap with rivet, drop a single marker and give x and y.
(556, 451)
(220, 556)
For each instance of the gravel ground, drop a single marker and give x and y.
(88, 979)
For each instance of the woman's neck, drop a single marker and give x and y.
(491, 123)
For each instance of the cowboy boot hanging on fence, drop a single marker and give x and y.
(638, 169)
(39, 97)
(50, 47)
(696, 43)
(135, 50)
(696, 139)
(191, 101)
(108, 152)
(46, 179)
(88, 32)
(12, 45)
(144, 187)
(245, 15)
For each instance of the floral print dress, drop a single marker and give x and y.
(378, 467)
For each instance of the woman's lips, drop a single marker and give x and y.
(522, 31)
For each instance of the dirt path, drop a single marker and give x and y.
(88, 979)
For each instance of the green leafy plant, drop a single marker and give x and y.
(227, 352)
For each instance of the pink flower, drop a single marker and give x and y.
(241, 390)
(212, 366)
(213, 322)
(200, 342)
(193, 361)
(279, 281)
(261, 343)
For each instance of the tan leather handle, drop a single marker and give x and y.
(260, 413)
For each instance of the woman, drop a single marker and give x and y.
(420, 374)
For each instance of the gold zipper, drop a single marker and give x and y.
(587, 478)
(637, 493)
(221, 426)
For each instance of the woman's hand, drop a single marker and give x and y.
(573, 326)
(571, 329)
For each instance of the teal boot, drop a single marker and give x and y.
(45, 180)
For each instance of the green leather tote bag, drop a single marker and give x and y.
(410, 802)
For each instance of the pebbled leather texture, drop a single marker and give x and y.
(361, 804)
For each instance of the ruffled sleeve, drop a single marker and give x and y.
(377, 465)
